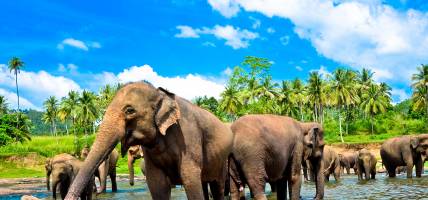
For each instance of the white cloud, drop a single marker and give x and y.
(323, 71)
(235, 37)
(270, 30)
(298, 68)
(12, 100)
(228, 71)
(186, 32)
(188, 86)
(37, 86)
(284, 40)
(209, 44)
(69, 68)
(400, 95)
(256, 22)
(226, 7)
(78, 44)
(359, 33)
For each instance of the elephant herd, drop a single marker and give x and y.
(187, 145)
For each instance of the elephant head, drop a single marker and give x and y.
(62, 174)
(134, 152)
(139, 114)
(420, 145)
(48, 167)
(365, 161)
(313, 140)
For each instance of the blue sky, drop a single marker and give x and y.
(189, 45)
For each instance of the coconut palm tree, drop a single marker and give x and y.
(51, 113)
(420, 79)
(316, 94)
(343, 92)
(230, 100)
(3, 105)
(419, 98)
(67, 109)
(268, 89)
(374, 102)
(15, 66)
(105, 97)
(286, 100)
(298, 89)
(87, 110)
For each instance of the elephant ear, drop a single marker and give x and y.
(168, 112)
(414, 142)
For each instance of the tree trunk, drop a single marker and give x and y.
(371, 121)
(17, 91)
(316, 112)
(66, 128)
(301, 112)
(340, 125)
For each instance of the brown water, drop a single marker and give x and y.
(348, 188)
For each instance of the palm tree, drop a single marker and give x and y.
(374, 102)
(15, 65)
(67, 108)
(268, 89)
(420, 79)
(87, 110)
(51, 113)
(286, 100)
(105, 97)
(343, 91)
(3, 105)
(365, 77)
(299, 95)
(315, 94)
(419, 98)
(231, 101)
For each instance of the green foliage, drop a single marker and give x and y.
(12, 130)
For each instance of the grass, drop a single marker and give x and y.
(27, 159)
(359, 138)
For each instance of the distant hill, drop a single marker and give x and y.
(39, 127)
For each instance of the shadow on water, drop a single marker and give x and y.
(347, 188)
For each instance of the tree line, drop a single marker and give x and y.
(345, 102)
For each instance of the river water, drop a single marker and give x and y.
(347, 188)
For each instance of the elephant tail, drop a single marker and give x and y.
(235, 173)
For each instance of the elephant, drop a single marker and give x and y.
(134, 153)
(332, 164)
(366, 164)
(266, 148)
(347, 161)
(406, 151)
(106, 168)
(183, 144)
(313, 153)
(48, 165)
(63, 170)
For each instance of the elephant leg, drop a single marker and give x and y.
(348, 170)
(113, 180)
(419, 164)
(234, 190)
(294, 178)
(281, 190)
(336, 174)
(103, 170)
(317, 171)
(157, 181)
(373, 173)
(391, 170)
(409, 169)
(217, 190)
(256, 180)
(191, 176)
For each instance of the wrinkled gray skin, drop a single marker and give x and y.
(406, 151)
(332, 164)
(134, 153)
(48, 165)
(347, 161)
(267, 148)
(63, 170)
(106, 168)
(182, 143)
(313, 153)
(366, 164)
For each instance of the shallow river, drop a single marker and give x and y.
(348, 188)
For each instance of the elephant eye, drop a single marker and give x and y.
(129, 110)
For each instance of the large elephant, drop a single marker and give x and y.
(63, 170)
(266, 148)
(347, 161)
(406, 151)
(182, 143)
(331, 164)
(313, 151)
(106, 168)
(366, 164)
(134, 153)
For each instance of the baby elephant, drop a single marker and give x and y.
(331, 164)
(366, 164)
(64, 168)
(347, 161)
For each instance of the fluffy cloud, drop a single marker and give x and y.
(256, 22)
(235, 37)
(400, 95)
(78, 44)
(12, 100)
(322, 71)
(188, 86)
(70, 68)
(37, 86)
(357, 33)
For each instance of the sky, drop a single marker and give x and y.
(190, 46)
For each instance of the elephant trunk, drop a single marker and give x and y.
(48, 177)
(131, 169)
(112, 130)
(55, 182)
(367, 165)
